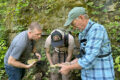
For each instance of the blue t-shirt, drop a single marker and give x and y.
(20, 48)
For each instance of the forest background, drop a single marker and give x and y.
(16, 15)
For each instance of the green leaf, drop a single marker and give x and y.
(119, 69)
(117, 60)
(90, 3)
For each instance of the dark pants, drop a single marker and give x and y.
(14, 73)
(55, 60)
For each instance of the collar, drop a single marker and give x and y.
(90, 22)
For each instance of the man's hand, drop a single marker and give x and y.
(18, 64)
(64, 69)
(74, 61)
(31, 65)
(38, 56)
(66, 63)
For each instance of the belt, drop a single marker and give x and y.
(101, 56)
(59, 51)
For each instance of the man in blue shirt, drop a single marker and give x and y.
(19, 51)
(95, 59)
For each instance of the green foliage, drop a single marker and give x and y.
(2, 11)
(95, 12)
(3, 49)
(3, 46)
(43, 58)
(113, 31)
(1, 74)
(74, 32)
(105, 10)
(16, 15)
(51, 5)
(91, 4)
(117, 17)
(95, 9)
(19, 28)
(117, 63)
(21, 4)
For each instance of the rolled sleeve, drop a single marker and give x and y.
(92, 48)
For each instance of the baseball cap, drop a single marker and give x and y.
(73, 14)
(56, 39)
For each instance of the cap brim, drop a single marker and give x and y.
(68, 22)
(58, 43)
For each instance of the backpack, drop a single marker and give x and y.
(66, 40)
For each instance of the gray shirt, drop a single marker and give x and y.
(20, 48)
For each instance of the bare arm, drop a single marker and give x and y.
(70, 48)
(49, 56)
(15, 63)
(74, 61)
(70, 52)
(65, 69)
(75, 66)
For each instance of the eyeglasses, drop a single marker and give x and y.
(38, 34)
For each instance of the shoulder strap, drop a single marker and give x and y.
(86, 33)
(89, 28)
(66, 39)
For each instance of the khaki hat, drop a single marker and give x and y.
(73, 14)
